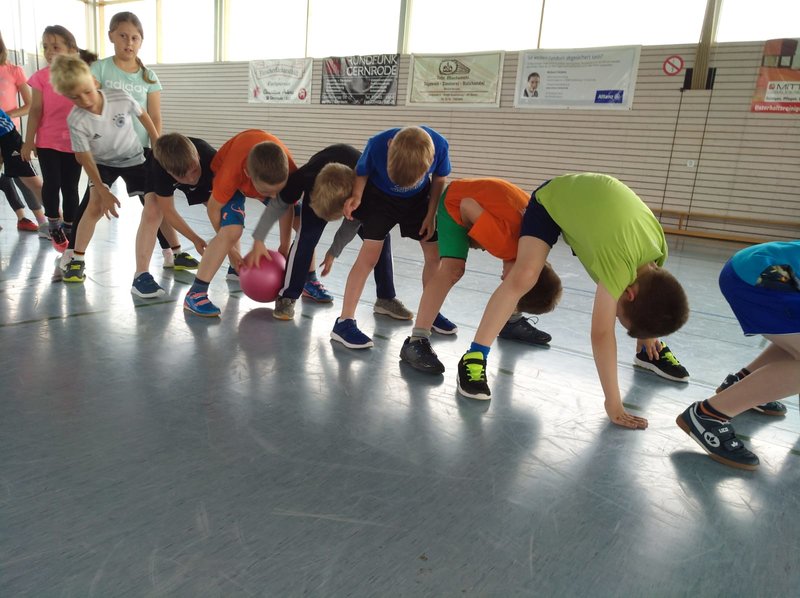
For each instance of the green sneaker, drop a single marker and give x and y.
(472, 377)
(184, 261)
(74, 271)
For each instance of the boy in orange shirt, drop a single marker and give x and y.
(251, 164)
(483, 214)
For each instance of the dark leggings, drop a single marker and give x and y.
(311, 227)
(9, 187)
(60, 175)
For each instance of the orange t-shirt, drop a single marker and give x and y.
(230, 162)
(497, 229)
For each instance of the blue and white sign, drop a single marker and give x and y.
(588, 78)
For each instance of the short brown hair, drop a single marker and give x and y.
(545, 294)
(267, 162)
(411, 154)
(176, 153)
(67, 72)
(332, 187)
(659, 308)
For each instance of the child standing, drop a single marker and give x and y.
(105, 144)
(251, 164)
(485, 214)
(47, 138)
(325, 180)
(761, 285)
(12, 82)
(125, 70)
(622, 247)
(399, 178)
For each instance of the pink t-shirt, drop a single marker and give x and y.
(53, 132)
(12, 77)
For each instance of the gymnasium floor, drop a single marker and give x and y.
(146, 452)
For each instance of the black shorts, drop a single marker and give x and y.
(10, 146)
(379, 213)
(134, 177)
(537, 222)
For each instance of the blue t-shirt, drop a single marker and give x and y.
(6, 124)
(374, 163)
(749, 263)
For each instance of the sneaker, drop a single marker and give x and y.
(183, 261)
(145, 287)
(523, 331)
(232, 275)
(443, 326)
(667, 365)
(200, 304)
(775, 408)
(472, 377)
(717, 438)
(44, 231)
(313, 289)
(393, 308)
(26, 225)
(74, 271)
(347, 333)
(420, 355)
(59, 240)
(284, 309)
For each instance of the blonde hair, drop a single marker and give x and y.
(67, 72)
(410, 156)
(129, 17)
(176, 153)
(267, 163)
(332, 187)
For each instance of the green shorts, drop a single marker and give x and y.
(453, 238)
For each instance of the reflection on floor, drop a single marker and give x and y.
(147, 452)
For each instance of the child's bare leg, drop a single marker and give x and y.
(225, 240)
(774, 375)
(363, 266)
(435, 290)
(531, 255)
(146, 234)
(430, 251)
(88, 222)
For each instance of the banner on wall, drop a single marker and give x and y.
(778, 83)
(280, 81)
(589, 78)
(369, 80)
(470, 80)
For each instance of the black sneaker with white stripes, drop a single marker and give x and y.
(717, 438)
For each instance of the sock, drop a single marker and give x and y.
(199, 286)
(41, 219)
(67, 227)
(742, 373)
(176, 250)
(79, 257)
(311, 276)
(53, 223)
(483, 349)
(708, 411)
(420, 333)
(515, 317)
(138, 274)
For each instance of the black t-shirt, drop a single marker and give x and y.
(164, 185)
(301, 182)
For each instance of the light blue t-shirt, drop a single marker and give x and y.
(750, 262)
(374, 163)
(111, 76)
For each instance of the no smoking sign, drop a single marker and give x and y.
(672, 65)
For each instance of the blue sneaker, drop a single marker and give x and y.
(232, 275)
(347, 333)
(443, 326)
(313, 289)
(146, 287)
(200, 304)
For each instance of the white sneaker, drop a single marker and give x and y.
(169, 258)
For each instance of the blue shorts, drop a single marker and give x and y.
(760, 310)
(233, 211)
(537, 222)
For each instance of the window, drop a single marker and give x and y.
(262, 29)
(338, 28)
(582, 24)
(187, 31)
(742, 20)
(473, 25)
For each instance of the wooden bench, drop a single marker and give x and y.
(684, 217)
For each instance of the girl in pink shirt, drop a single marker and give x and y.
(12, 82)
(48, 138)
